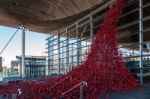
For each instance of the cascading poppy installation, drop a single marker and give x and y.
(103, 68)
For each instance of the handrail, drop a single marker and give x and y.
(82, 83)
(69, 77)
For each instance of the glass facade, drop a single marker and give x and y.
(67, 50)
(35, 66)
(69, 47)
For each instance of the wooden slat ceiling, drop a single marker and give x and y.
(44, 15)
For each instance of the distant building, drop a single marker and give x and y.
(15, 67)
(35, 65)
(6, 71)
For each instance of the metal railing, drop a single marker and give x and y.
(82, 84)
(69, 77)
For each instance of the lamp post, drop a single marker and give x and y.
(23, 53)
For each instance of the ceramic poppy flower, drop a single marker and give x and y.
(103, 69)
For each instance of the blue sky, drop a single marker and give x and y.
(35, 44)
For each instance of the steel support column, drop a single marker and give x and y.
(141, 39)
(72, 56)
(58, 53)
(23, 53)
(62, 56)
(46, 68)
(47, 59)
(67, 51)
(91, 29)
(78, 45)
(52, 53)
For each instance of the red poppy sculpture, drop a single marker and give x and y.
(103, 68)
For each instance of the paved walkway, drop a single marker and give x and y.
(140, 93)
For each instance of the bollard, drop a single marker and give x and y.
(1, 96)
(61, 97)
(14, 96)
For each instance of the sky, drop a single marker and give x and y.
(35, 44)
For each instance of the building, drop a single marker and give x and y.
(6, 72)
(69, 46)
(35, 66)
(62, 58)
(15, 67)
(72, 26)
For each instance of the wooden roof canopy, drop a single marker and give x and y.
(47, 16)
(44, 15)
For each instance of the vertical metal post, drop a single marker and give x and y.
(23, 53)
(141, 38)
(48, 58)
(72, 56)
(61, 97)
(13, 96)
(52, 53)
(62, 55)
(1, 96)
(67, 51)
(46, 68)
(81, 92)
(91, 29)
(78, 45)
(58, 53)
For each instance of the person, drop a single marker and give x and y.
(19, 92)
